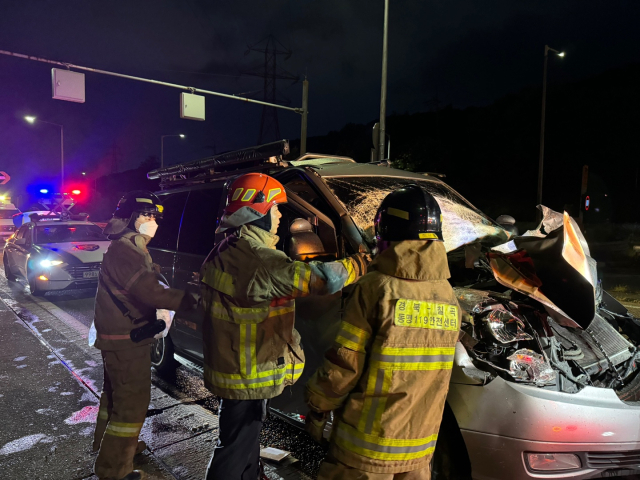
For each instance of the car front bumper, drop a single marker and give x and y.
(65, 278)
(501, 421)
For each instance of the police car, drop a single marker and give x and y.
(7, 211)
(54, 254)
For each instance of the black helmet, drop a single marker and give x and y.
(409, 213)
(138, 201)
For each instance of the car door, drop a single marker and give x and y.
(163, 245)
(197, 238)
(317, 317)
(17, 251)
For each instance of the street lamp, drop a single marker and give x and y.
(32, 120)
(162, 147)
(547, 49)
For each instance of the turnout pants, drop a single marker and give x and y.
(237, 455)
(123, 407)
(332, 469)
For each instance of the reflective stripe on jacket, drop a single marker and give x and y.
(387, 374)
(127, 272)
(251, 348)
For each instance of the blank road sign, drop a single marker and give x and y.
(67, 85)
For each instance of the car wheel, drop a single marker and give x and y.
(162, 358)
(450, 459)
(7, 271)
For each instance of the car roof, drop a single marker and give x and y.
(367, 170)
(60, 222)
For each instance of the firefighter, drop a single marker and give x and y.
(387, 374)
(251, 348)
(128, 295)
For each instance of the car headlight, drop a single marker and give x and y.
(550, 462)
(50, 263)
(504, 326)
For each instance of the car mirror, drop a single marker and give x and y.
(21, 241)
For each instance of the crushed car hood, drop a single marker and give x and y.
(553, 267)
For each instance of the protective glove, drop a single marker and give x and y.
(314, 424)
(360, 262)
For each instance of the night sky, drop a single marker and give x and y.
(463, 53)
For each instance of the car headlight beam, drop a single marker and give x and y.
(50, 263)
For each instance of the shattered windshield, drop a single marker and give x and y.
(462, 222)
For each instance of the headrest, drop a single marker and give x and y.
(300, 225)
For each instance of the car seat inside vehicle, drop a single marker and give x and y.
(304, 244)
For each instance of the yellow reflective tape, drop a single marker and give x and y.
(242, 354)
(248, 194)
(381, 448)
(432, 315)
(398, 213)
(236, 194)
(239, 315)
(301, 279)
(345, 342)
(415, 350)
(351, 271)
(254, 361)
(352, 337)
(218, 280)
(382, 401)
(144, 200)
(281, 311)
(272, 193)
(103, 414)
(417, 366)
(428, 235)
(118, 429)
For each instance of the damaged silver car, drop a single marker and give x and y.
(545, 381)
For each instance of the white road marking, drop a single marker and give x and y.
(63, 316)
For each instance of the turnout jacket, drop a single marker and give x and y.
(251, 348)
(128, 293)
(387, 374)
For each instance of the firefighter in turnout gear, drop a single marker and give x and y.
(387, 375)
(128, 295)
(251, 348)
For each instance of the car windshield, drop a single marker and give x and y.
(68, 233)
(6, 213)
(462, 222)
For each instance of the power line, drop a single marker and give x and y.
(270, 47)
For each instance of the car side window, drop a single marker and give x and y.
(22, 232)
(166, 237)
(197, 235)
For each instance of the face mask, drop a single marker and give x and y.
(148, 228)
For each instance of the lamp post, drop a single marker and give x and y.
(383, 89)
(547, 49)
(162, 146)
(32, 120)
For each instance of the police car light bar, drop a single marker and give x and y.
(270, 152)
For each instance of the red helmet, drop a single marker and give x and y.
(250, 197)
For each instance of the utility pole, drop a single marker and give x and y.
(305, 112)
(542, 121)
(271, 48)
(383, 92)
